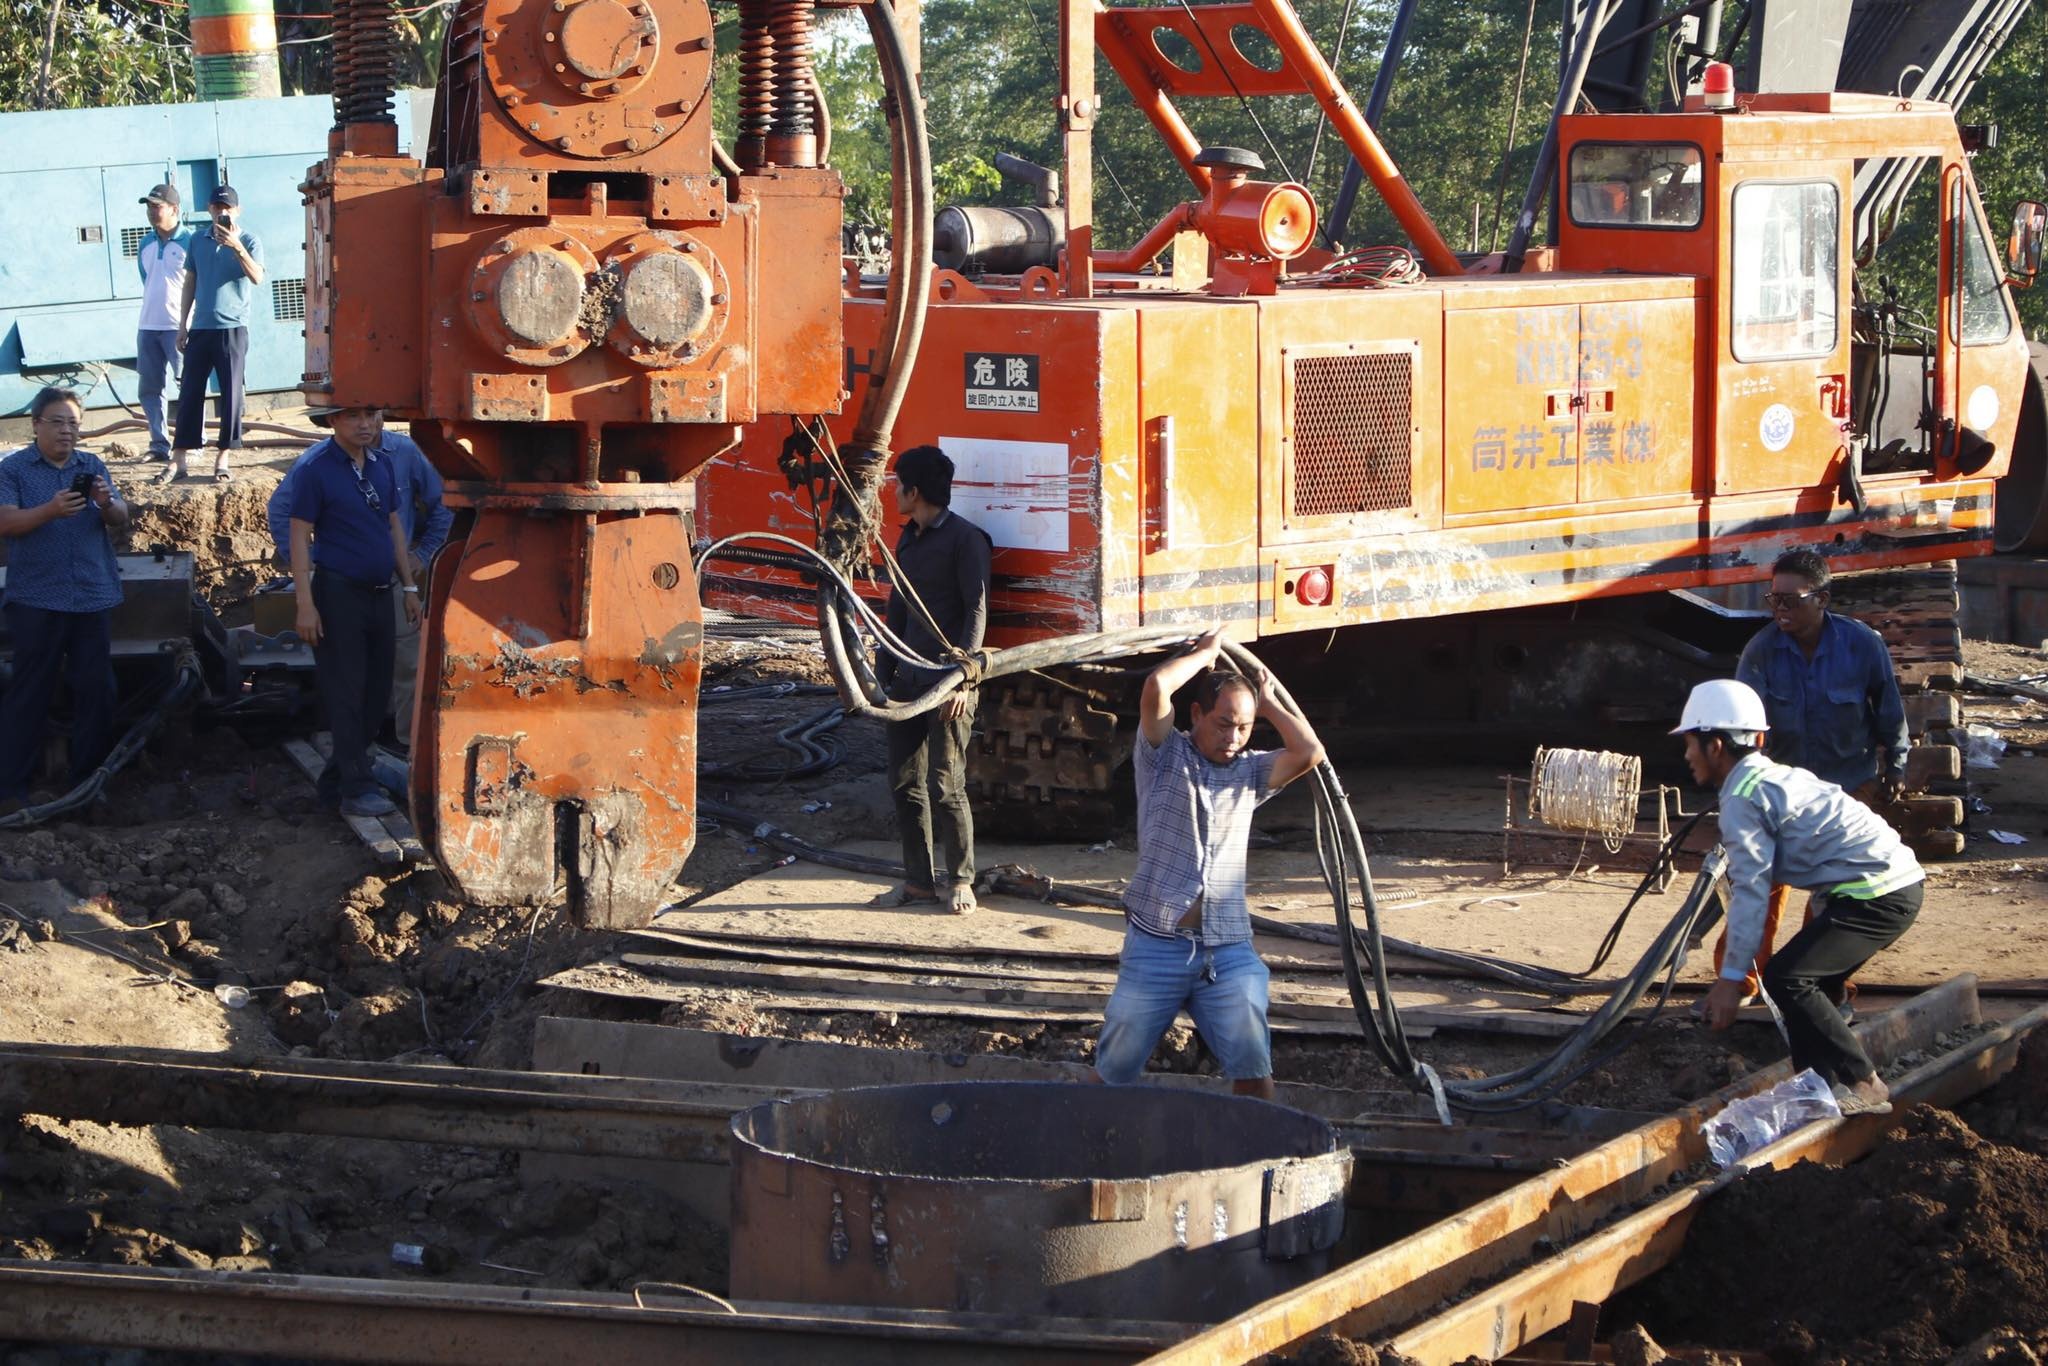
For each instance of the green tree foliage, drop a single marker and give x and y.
(75, 54)
(2010, 95)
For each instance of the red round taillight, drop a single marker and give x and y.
(1312, 587)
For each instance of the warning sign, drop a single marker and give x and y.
(1002, 383)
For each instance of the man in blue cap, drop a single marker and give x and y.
(347, 542)
(226, 265)
(160, 260)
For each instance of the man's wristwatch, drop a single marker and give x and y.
(410, 589)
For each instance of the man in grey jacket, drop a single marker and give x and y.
(1781, 825)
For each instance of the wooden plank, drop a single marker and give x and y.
(1928, 711)
(371, 831)
(1528, 1305)
(1924, 675)
(1931, 764)
(1401, 1282)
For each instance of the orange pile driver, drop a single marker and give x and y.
(579, 299)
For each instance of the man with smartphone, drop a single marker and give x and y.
(224, 266)
(58, 511)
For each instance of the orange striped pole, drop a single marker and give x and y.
(234, 49)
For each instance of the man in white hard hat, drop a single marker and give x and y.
(1781, 824)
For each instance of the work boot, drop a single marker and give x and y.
(368, 804)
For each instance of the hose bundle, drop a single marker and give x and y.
(1340, 849)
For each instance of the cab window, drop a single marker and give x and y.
(1635, 185)
(1985, 318)
(1785, 254)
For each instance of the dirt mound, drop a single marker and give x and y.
(1929, 1244)
(2016, 1110)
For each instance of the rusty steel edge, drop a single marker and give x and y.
(341, 1319)
(1401, 1282)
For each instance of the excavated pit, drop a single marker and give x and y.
(1032, 1197)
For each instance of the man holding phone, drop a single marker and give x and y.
(223, 267)
(57, 513)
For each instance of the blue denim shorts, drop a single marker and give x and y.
(1223, 988)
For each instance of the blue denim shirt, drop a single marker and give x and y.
(66, 565)
(419, 489)
(1837, 714)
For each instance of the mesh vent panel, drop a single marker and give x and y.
(288, 299)
(1353, 427)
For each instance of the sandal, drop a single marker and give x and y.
(223, 476)
(962, 902)
(897, 897)
(169, 474)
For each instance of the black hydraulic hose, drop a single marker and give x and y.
(910, 274)
(183, 685)
(1340, 851)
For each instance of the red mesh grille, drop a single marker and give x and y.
(1353, 423)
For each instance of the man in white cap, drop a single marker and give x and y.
(1783, 825)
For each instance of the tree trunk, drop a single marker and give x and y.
(44, 94)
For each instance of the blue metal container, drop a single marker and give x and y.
(70, 227)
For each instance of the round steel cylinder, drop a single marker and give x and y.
(1040, 1198)
(234, 49)
(978, 238)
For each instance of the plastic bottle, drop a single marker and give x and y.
(1753, 1122)
(429, 1257)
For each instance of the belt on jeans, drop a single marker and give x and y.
(351, 580)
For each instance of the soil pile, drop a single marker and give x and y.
(1932, 1242)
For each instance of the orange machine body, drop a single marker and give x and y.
(1620, 423)
(571, 305)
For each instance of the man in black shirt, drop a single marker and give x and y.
(945, 561)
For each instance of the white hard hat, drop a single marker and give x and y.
(1723, 704)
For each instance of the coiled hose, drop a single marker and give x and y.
(1340, 852)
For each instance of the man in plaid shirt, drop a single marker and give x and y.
(1188, 933)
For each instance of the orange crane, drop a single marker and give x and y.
(1294, 442)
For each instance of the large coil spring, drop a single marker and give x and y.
(365, 61)
(795, 108)
(1586, 792)
(757, 83)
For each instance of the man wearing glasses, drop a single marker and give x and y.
(57, 508)
(347, 541)
(1832, 701)
(427, 519)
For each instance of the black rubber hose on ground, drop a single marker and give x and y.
(183, 684)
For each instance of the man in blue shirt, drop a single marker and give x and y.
(225, 265)
(1832, 699)
(160, 260)
(57, 507)
(1784, 826)
(426, 519)
(347, 540)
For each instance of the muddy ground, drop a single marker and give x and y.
(211, 864)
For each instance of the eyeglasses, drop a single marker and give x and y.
(369, 494)
(62, 424)
(1776, 600)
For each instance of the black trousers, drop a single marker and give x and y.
(1805, 977)
(352, 663)
(927, 770)
(210, 352)
(78, 648)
